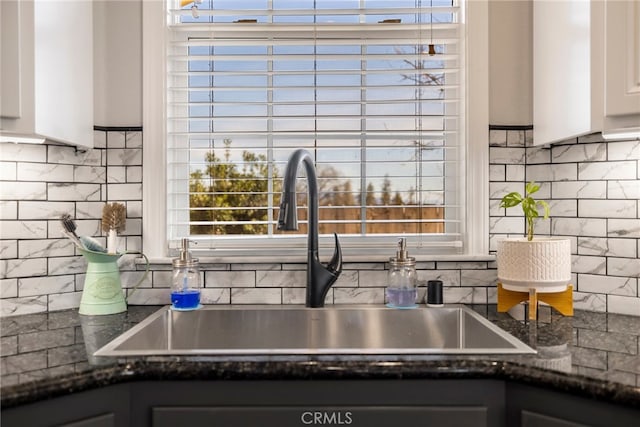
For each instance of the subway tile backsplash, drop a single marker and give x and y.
(592, 186)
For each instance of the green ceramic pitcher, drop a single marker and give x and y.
(102, 293)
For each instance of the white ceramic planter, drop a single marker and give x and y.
(543, 264)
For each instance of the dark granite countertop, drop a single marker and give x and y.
(591, 354)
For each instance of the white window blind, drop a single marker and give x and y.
(354, 83)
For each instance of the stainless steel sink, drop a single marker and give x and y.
(292, 330)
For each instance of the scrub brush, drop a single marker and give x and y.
(70, 229)
(114, 218)
(83, 242)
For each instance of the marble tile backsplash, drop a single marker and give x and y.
(593, 189)
(40, 269)
(592, 186)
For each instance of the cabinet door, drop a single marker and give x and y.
(105, 420)
(529, 406)
(319, 402)
(9, 59)
(105, 407)
(63, 42)
(378, 416)
(47, 70)
(622, 58)
(567, 81)
(533, 419)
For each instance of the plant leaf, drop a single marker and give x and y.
(510, 200)
(532, 187)
(545, 205)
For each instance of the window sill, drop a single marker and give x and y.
(296, 259)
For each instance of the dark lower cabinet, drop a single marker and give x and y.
(106, 420)
(534, 419)
(366, 403)
(529, 406)
(104, 407)
(373, 403)
(369, 416)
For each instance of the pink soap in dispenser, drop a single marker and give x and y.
(401, 289)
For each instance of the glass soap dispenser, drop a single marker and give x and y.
(185, 286)
(401, 289)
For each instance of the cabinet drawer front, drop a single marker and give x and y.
(284, 416)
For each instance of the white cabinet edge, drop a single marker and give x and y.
(56, 72)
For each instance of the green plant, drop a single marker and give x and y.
(529, 205)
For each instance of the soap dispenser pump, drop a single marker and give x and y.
(185, 286)
(401, 290)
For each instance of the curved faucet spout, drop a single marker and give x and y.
(319, 277)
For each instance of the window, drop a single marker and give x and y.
(374, 90)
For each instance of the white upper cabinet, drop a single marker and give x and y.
(47, 70)
(586, 67)
(622, 60)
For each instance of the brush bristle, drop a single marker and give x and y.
(114, 217)
(68, 223)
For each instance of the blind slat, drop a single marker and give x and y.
(381, 116)
(292, 11)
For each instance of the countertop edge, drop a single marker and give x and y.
(576, 385)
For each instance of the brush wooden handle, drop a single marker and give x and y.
(112, 242)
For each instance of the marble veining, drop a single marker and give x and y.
(553, 172)
(44, 172)
(280, 278)
(372, 278)
(589, 301)
(592, 196)
(593, 227)
(466, 295)
(537, 155)
(92, 174)
(608, 284)
(624, 227)
(8, 249)
(623, 190)
(624, 267)
(72, 191)
(624, 150)
(610, 247)
(70, 155)
(46, 248)
(18, 152)
(579, 152)
(450, 277)
(23, 230)
(607, 170)
(24, 268)
(26, 305)
(125, 157)
(579, 189)
(500, 155)
(358, 296)
(348, 279)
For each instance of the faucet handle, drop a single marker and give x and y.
(335, 265)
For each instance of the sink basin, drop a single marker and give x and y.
(293, 330)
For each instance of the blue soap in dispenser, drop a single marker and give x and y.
(185, 285)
